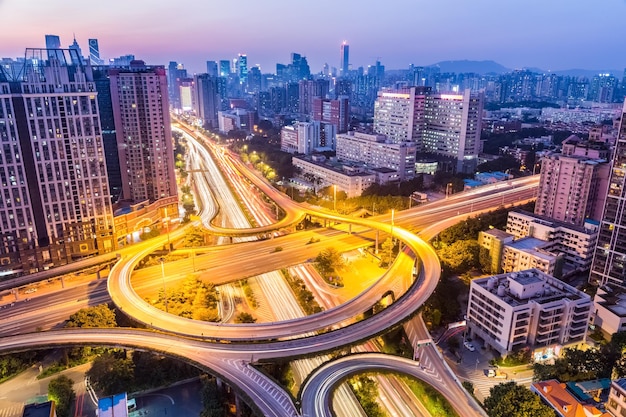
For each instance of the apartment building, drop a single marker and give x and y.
(510, 311)
(376, 151)
(575, 243)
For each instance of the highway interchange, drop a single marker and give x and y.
(204, 343)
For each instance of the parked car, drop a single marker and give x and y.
(469, 346)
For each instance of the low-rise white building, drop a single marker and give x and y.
(575, 243)
(609, 310)
(527, 309)
(316, 172)
(376, 151)
(528, 253)
(616, 404)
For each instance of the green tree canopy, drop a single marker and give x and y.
(61, 391)
(244, 317)
(460, 256)
(97, 316)
(111, 375)
(512, 400)
(328, 261)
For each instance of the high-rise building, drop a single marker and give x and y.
(574, 183)
(144, 137)
(609, 261)
(53, 42)
(79, 52)
(107, 121)
(453, 127)
(336, 112)
(207, 100)
(292, 97)
(94, 53)
(309, 90)
(55, 205)
(344, 64)
(175, 73)
(211, 68)
(225, 68)
(242, 68)
(399, 113)
(254, 80)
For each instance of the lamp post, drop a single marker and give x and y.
(448, 189)
(391, 246)
(334, 197)
(163, 276)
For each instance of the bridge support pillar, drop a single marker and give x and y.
(350, 228)
(376, 244)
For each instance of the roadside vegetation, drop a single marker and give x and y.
(303, 294)
(61, 391)
(365, 390)
(192, 298)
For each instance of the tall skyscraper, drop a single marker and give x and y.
(175, 73)
(94, 53)
(144, 136)
(211, 68)
(344, 64)
(452, 128)
(308, 90)
(609, 261)
(335, 112)
(53, 42)
(107, 122)
(55, 205)
(79, 53)
(242, 69)
(225, 68)
(207, 99)
(399, 113)
(574, 183)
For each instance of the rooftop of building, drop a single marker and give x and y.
(621, 383)
(39, 410)
(582, 389)
(549, 221)
(113, 406)
(500, 234)
(562, 401)
(339, 167)
(613, 299)
(532, 246)
(518, 288)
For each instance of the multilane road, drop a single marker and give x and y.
(268, 404)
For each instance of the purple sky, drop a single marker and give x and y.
(548, 34)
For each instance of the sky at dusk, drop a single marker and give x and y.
(546, 34)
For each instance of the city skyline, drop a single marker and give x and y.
(555, 36)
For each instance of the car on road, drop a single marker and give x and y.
(469, 346)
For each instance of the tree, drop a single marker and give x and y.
(97, 316)
(61, 391)
(460, 256)
(386, 252)
(194, 237)
(111, 375)
(245, 318)
(211, 398)
(328, 261)
(512, 400)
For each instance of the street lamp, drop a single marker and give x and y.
(391, 246)
(334, 197)
(163, 276)
(448, 189)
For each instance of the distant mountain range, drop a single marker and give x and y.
(492, 67)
